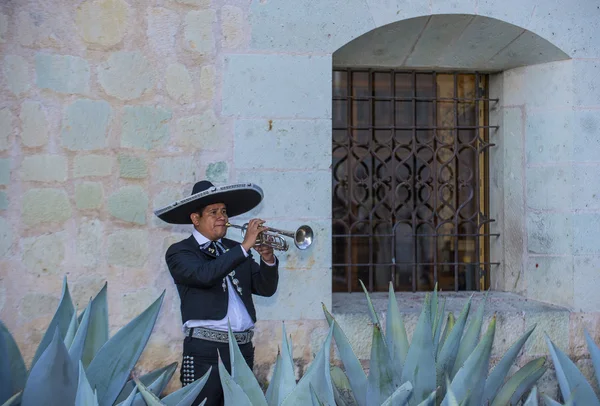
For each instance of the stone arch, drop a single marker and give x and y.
(448, 41)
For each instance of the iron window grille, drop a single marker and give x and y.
(410, 180)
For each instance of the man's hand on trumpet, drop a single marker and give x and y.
(255, 227)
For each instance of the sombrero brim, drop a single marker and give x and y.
(239, 198)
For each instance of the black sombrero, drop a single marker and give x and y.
(239, 198)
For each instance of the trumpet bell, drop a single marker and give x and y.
(303, 237)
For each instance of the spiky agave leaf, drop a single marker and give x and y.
(383, 378)
(372, 312)
(594, 354)
(470, 339)
(400, 396)
(110, 368)
(419, 367)
(129, 399)
(532, 398)
(498, 375)
(285, 382)
(342, 391)
(233, 394)
(520, 382)
(53, 379)
(437, 327)
(78, 344)
(450, 321)
(470, 378)
(242, 374)
(186, 395)
(315, 398)
(570, 379)
(395, 332)
(85, 395)
(448, 352)
(14, 400)
(156, 381)
(354, 371)
(97, 330)
(318, 376)
(16, 366)
(150, 398)
(549, 401)
(70, 335)
(60, 320)
(430, 400)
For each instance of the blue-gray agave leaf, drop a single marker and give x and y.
(242, 374)
(233, 394)
(550, 402)
(314, 398)
(156, 387)
(470, 338)
(6, 385)
(70, 335)
(447, 355)
(18, 371)
(60, 320)
(519, 383)
(78, 344)
(317, 375)
(342, 391)
(97, 331)
(283, 380)
(148, 380)
(419, 367)
(383, 379)
(437, 327)
(400, 396)
(470, 379)
(110, 368)
(430, 401)
(150, 398)
(129, 399)
(372, 311)
(532, 398)
(570, 379)
(14, 400)
(85, 395)
(594, 354)
(354, 371)
(499, 373)
(186, 395)
(450, 321)
(53, 379)
(395, 332)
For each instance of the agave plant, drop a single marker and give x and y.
(443, 364)
(76, 355)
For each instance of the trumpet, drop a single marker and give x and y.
(303, 237)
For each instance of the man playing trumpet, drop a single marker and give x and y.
(216, 278)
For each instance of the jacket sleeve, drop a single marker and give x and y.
(265, 278)
(189, 268)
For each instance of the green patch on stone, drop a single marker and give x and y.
(46, 205)
(217, 172)
(89, 195)
(4, 171)
(132, 167)
(62, 73)
(130, 204)
(85, 125)
(145, 127)
(3, 200)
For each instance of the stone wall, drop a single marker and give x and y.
(112, 108)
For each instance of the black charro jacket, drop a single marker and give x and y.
(198, 275)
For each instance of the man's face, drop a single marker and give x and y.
(211, 223)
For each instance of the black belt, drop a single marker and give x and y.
(217, 336)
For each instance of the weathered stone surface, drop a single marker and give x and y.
(163, 25)
(44, 168)
(6, 237)
(183, 169)
(128, 248)
(179, 83)
(85, 125)
(3, 200)
(86, 288)
(89, 241)
(43, 255)
(132, 167)
(40, 26)
(92, 165)
(453, 7)
(126, 75)
(198, 3)
(34, 305)
(34, 125)
(207, 83)
(198, 32)
(129, 203)
(549, 233)
(4, 171)
(6, 128)
(217, 172)
(541, 197)
(584, 77)
(45, 206)
(89, 195)
(102, 22)
(548, 136)
(145, 127)
(585, 191)
(232, 26)
(281, 190)
(586, 143)
(3, 27)
(580, 322)
(309, 26)
(16, 74)
(585, 228)
(292, 144)
(554, 324)
(390, 11)
(62, 73)
(549, 85)
(201, 131)
(133, 303)
(277, 85)
(550, 279)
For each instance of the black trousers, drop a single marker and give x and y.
(199, 356)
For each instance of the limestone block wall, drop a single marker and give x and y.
(112, 108)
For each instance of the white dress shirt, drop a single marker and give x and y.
(237, 314)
